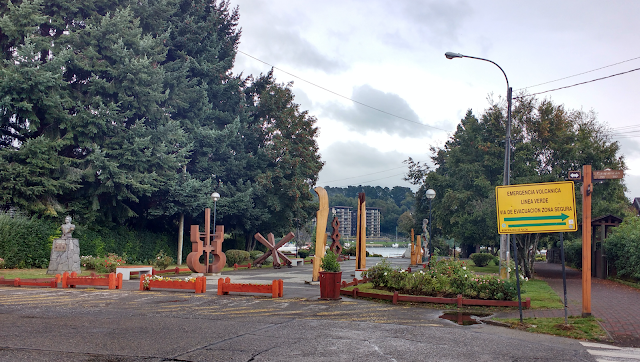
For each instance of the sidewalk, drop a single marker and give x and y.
(617, 305)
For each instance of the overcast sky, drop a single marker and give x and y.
(390, 55)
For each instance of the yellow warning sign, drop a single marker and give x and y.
(536, 208)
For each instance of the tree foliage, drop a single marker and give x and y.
(549, 141)
(128, 113)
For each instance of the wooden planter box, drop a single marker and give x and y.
(330, 285)
(199, 286)
(113, 281)
(275, 288)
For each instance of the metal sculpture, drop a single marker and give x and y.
(209, 244)
(335, 236)
(321, 227)
(273, 250)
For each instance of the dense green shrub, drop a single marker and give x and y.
(162, 260)
(255, 254)
(330, 262)
(573, 253)
(88, 261)
(481, 259)
(446, 278)
(623, 248)
(26, 242)
(303, 253)
(237, 257)
(109, 263)
(135, 246)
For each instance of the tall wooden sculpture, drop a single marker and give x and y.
(413, 250)
(321, 230)
(361, 234)
(335, 236)
(209, 244)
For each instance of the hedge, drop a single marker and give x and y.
(26, 242)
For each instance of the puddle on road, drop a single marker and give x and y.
(464, 318)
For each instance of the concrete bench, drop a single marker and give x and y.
(126, 270)
(296, 261)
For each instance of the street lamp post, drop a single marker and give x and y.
(431, 194)
(504, 239)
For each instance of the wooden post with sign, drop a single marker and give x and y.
(587, 189)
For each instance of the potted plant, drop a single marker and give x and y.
(330, 277)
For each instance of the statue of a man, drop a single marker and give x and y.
(67, 228)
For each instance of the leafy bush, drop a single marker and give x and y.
(304, 253)
(573, 253)
(623, 248)
(1, 263)
(109, 263)
(136, 246)
(88, 262)
(162, 261)
(237, 257)
(330, 262)
(481, 259)
(445, 278)
(26, 242)
(255, 254)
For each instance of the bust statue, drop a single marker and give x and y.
(67, 228)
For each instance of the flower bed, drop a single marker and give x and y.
(444, 279)
(198, 284)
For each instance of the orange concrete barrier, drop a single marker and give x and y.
(275, 288)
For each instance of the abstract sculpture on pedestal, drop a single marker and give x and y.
(273, 250)
(209, 244)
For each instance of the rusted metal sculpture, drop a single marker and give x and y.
(321, 227)
(209, 244)
(335, 236)
(273, 250)
(361, 234)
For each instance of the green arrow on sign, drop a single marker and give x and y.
(537, 224)
(536, 218)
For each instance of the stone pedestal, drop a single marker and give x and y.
(65, 256)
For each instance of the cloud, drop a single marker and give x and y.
(438, 22)
(361, 118)
(355, 163)
(629, 146)
(275, 37)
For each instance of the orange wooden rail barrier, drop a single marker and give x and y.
(112, 281)
(199, 286)
(39, 282)
(396, 297)
(236, 266)
(275, 288)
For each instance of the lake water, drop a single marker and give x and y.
(386, 252)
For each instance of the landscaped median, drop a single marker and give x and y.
(351, 289)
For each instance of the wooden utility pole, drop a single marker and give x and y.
(587, 189)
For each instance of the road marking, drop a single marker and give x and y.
(612, 353)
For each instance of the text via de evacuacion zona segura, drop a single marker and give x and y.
(535, 210)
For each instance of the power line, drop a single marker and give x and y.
(361, 182)
(373, 173)
(575, 75)
(340, 95)
(577, 84)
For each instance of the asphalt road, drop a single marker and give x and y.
(130, 325)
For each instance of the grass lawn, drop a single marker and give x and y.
(578, 327)
(491, 268)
